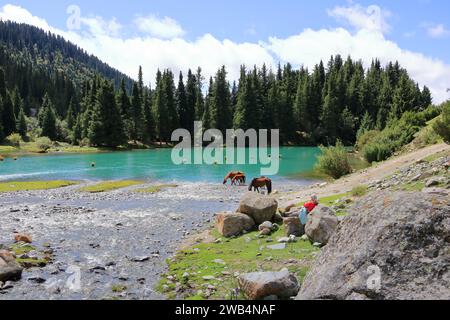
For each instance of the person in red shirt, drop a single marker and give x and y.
(308, 207)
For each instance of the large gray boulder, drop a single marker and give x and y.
(393, 245)
(233, 224)
(321, 225)
(9, 269)
(259, 207)
(259, 285)
(292, 226)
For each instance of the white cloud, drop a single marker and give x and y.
(371, 18)
(305, 48)
(309, 46)
(438, 31)
(98, 26)
(21, 15)
(166, 28)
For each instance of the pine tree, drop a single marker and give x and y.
(123, 102)
(161, 114)
(243, 114)
(71, 118)
(48, 123)
(168, 86)
(404, 97)
(199, 101)
(137, 114)
(220, 104)
(425, 99)
(185, 121)
(106, 128)
(330, 115)
(191, 98)
(21, 124)
(207, 116)
(302, 104)
(149, 132)
(8, 117)
(366, 124)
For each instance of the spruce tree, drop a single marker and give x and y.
(137, 114)
(220, 104)
(123, 102)
(71, 118)
(161, 115)
(191, 99)
(22, 124)
(199, 101)
(149, 132)
(185, 120)
(49, 122)
(8, 117)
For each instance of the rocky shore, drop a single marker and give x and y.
(115, 243)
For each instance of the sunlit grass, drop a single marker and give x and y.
(156, 188)
(247, 253)
(109, 186)
(34, 185)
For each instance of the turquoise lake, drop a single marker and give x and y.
(146, 165)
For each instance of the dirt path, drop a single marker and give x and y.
(366, 176)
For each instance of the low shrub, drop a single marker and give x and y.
(43, 144)
(366, 137)
(397, 134)
(14, 140)
(442, 125)
(334, 161)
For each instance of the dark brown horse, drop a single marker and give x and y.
(262, 182)
(232, 175)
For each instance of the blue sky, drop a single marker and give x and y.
(172, 33)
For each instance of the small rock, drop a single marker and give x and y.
(140, 259)
(259, 285)
(280, 246)
(23, 238)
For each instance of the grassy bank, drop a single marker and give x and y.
(34, 185)
(110, 186)
(207, 269)
(156, 188)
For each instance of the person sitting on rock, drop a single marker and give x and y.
(307, 208)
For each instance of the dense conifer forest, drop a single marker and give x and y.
(51, 88)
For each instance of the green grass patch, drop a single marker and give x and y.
(156, 188)
(359, 191)
(411, 187)
(247, 253)
(20, 248)
(32, 263)
(109, 186)
(437, 156)
(34, 185)
(118, 288)
(8, 149)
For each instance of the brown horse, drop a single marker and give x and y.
(232, 175)
(258, 183)
(240, 178)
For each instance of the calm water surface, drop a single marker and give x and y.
(146, 165)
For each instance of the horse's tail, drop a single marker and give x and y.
(269, 186)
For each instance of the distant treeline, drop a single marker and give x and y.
(83, 102)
